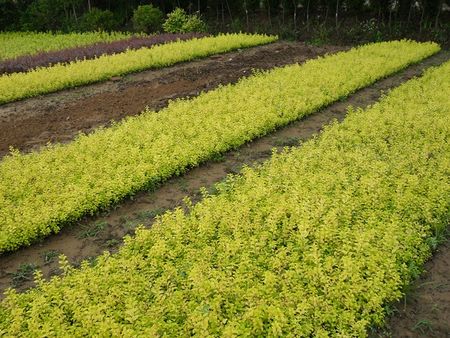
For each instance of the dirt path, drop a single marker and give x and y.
(425, 310)
(58, 117)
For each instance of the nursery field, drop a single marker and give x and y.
(45, 80)
(15, 44)
(60, 184)
(29, 62)
(284, 232)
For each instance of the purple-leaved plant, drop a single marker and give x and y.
(28, 62)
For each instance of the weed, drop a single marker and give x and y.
(218, 158)
(92, 230)
(290, 141)
(182, 183)
(24, 273)
(49, 256)
(423, 326)
(131, 225)
(110, 243)
(149, 214)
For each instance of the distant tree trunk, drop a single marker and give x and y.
(89, 5)
(404, 7)
(269, 14)
(326, 16)
(74, 12)
(438, 13)
(294, 2)
(229, 10)
(223, 14)
(217, 12)
(422, 3)
(390, 18)
(337, 15)
(409, 14)
(246, 15)
(66, 12)
(307, 15)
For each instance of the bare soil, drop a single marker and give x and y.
(426, 312)
(59, 117)
(425, 309)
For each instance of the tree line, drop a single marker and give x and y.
(247, 15)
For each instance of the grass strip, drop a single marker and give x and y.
(39, 192)
(314, 243)
(40, 81)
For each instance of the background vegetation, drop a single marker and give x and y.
(319, 21)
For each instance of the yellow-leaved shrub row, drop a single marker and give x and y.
(41, 191)
(311, 244)
(44, 80)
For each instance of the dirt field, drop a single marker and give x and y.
(58, 117)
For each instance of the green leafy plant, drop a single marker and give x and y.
(287, 141)
(50, 256)
(98, 20)
(24, 273)
(147, 18)
(180, 22)
(92, 230)
(424, 326)
(110, 243)
(150, 214)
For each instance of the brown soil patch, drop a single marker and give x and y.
(91, 236)
(425, 310)
(59, 117)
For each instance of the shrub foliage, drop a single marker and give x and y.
(311, 244)
(147, 18)
(41, 191)
(180, 22)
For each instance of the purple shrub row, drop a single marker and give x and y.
(45, 59)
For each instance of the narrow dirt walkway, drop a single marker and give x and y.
(425, 310)
(59, 117)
